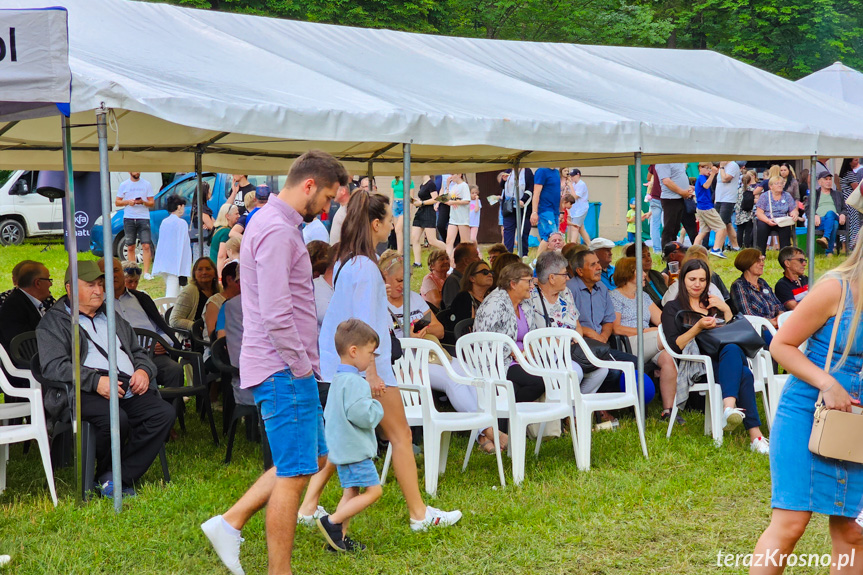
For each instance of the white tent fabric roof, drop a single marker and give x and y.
(256, 92)
(838, 81)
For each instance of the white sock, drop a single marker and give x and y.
(229, 529)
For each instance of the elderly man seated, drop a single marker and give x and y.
(141, 312)
(144, 418)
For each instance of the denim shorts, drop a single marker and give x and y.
(135, 230)
(294, 422)
(547, 224)
(726, 211)
(360, 474)
(398, 208)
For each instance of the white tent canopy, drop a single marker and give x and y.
(837, 81)
(253, 93)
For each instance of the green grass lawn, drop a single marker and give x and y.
(672, 513)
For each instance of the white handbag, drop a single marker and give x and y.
(781, 221)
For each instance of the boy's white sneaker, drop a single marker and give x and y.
(436, 518)
(311, 520)
(760, 445)
(226, 544)
(4, 560)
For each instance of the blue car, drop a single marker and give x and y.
(185, 186)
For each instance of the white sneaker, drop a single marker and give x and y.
(147, 276)
(436, 518)
(760, 445)
(311, 520)
(227, 545)
(4, 560)
(732, 417)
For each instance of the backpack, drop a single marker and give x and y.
(748, 201)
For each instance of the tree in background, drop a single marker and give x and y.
(791, 38)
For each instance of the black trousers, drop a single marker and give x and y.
(527, 387)
(674, 215)
(145, 421)
(169, 372)
(745, 234)
(763, 231)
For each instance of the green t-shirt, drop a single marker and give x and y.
(825, 204)
(399, 189)
(630, 227)
(219, 237)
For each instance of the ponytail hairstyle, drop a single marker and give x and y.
(363, 208)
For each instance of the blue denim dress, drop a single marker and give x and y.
(801, 480)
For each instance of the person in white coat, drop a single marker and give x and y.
(174, 253)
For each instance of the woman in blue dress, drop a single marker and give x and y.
(804, 483)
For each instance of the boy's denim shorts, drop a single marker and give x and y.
(294, 422)
(360, 474)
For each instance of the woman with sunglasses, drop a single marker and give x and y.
(476, 282)
(131, 275)
(507, 310)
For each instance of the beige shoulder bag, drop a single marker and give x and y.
(835, 434)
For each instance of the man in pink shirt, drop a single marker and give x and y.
(279, 358)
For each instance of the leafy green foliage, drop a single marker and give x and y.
(788, 38)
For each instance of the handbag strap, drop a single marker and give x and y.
(544, 309)
(828, 361)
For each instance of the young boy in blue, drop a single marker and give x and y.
(706, 214)
(351, 416)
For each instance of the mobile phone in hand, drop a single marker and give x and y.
(421, 323)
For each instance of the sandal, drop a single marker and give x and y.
(487, 445)
(502, 440)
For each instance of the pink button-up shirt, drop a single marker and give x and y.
(279, 317)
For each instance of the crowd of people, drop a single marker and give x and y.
(332, 311)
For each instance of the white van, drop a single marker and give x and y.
(26, 214)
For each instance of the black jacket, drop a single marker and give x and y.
(17, 315)
(54, 336)
(149, 307)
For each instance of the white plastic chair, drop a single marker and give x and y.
(549, 351)
(164, 303)
(767, 382)
(13, 371)
(481, 355)
(412, 374)
(35, 429)
(713, 397)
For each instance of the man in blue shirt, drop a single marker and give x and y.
(546, 198)
(596, 313)
(602, 248)
(705, 212)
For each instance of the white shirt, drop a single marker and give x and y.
(36, 303)
(97, 329)
(418, 307)
(727, 193)
(130, 309)
(581, 205)
(316, 230)
(336, 228)
(460, 215)
(130, 190)
(323, 295)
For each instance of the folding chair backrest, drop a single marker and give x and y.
(22, 348)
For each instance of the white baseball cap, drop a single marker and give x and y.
(599, 243)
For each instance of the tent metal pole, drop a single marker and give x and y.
(518, 223)
(199, 162)
(107, 240)
(371, 176)
(406, 239)
(639, 288)
(72, 250)
(810, 219)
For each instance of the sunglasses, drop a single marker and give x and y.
(132, 271)
(483, 272)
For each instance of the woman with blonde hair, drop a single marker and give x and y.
(828, 321)
(225, 220)
(776, 211)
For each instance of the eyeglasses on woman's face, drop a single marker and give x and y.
(530, 280)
